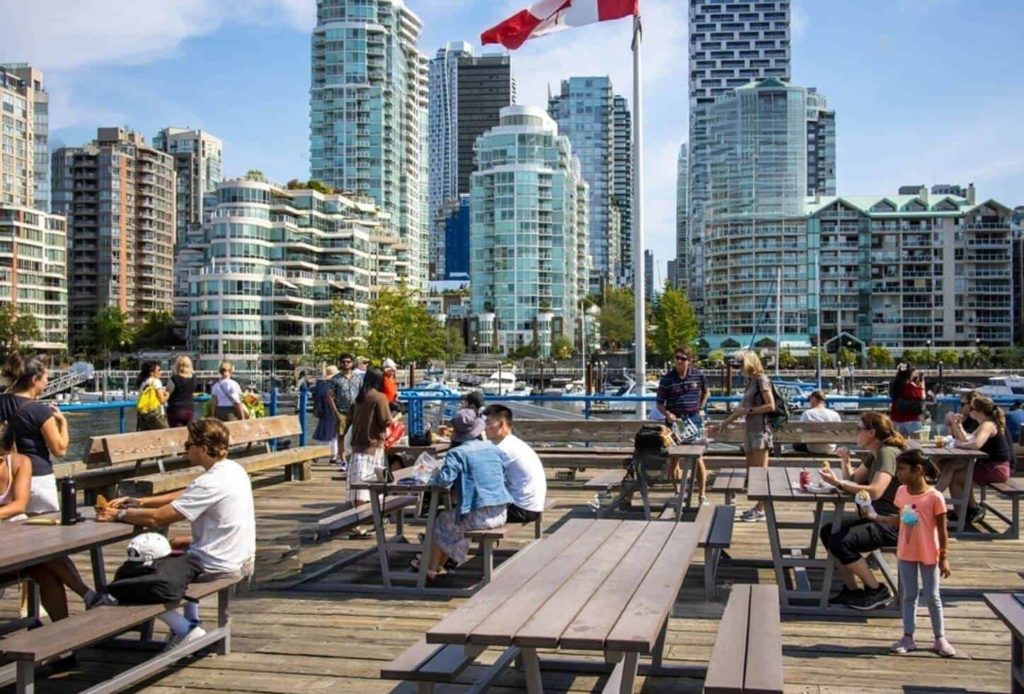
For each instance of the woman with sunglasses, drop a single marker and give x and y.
(858, 535)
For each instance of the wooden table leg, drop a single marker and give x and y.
(659, 646)
(531, 666)
(1016, 664)
(428, 541)
(381, 536)
(830, 565)
(965, 497)
(99, 570)
(776, 544)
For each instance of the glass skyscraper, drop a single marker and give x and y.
(368, 113)
(585, 113)
(528, 240)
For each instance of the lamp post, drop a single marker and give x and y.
(928, 346)
(977, 348)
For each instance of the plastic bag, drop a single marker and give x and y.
(425, 467)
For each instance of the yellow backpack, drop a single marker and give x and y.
(149, 401)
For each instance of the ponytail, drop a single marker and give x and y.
(991, 410)
(883, 429)
(21, 372)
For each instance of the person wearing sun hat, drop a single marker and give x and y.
(390, 381)
(474, 471)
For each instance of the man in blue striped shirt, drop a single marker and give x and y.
(682, 394)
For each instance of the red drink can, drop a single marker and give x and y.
(805, 479)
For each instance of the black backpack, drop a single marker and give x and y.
(778, 417)
(649, 453)
(165, 580)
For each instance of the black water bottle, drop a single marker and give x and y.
(68, 502)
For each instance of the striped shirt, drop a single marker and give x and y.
(682, 395)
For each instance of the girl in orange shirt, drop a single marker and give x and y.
(922, 549)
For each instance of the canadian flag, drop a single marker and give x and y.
(549, 16)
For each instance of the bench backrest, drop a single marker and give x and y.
(540, 432)
(797, 432)
(166, 443)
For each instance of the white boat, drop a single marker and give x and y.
(501, 382)
(650, 388)
(113, 394)
(1003, 386)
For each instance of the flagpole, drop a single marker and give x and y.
(640, 328)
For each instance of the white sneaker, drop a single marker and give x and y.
(703, 501)
(176, 641)
(752, 515)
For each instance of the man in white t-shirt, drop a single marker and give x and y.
(817, 412)
(524, 473)
(219, 506)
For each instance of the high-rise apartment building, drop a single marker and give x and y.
(368, 114)
(449, 244)
(199, 165)
(528, 240)
(901, 271)
(118, 194)
(24, 137)
(584, 110)
(684, 244)
(622, 191)
(731, 44)
(275, 261)
(466, 94)
(821, 145)
(33, 272)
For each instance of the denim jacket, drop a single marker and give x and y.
(477, 468)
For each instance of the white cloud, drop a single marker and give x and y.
(70, 34)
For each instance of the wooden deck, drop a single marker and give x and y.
(313, 637)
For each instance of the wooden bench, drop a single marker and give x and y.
(351, 517)
(747, 655)
(796, 432)
(1012, 489)
(714, 534)
(730, 481)
(1008, 609)
(429, 664)
(487, 539)
(30, 648)
(139, 446)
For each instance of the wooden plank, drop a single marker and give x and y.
(162, 483)
(720, 534)
(456, 627)
(499, 628)
(428, 662)
(797, 432)
(24, 545)
(609, 478)
(584, 431)
(779, 485)
(763, 672)
(163, 443)
(729, 654)
(590, 628)
(703, 522)
(757, 484)
(1005, 606)
(645, 614)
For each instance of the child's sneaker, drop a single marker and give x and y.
(752, 515)
(944, 647)
(904, 645)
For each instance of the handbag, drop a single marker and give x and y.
(163, 580)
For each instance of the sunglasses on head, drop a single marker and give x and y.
(189, 444)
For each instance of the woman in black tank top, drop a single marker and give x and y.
(989, 438)
(182, 388)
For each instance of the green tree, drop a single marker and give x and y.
(675, 321)
(156, 331)
(918, 357)
(454, 346)
(847, 356)
(561, 347)
(616, 318)
(947, 356)
(716, 357)
(16, 328)
(401, 328)
(879, 357)
(339, 335)
(787, 360)
(110, 331)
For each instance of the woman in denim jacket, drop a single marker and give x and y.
(474, 470)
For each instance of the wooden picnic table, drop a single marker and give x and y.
(606, 586)
(24, 544)
(1009, 609)
(771, 485)
(687, 455)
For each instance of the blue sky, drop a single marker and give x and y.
(926, 91)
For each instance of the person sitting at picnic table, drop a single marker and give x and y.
(682, 395)
(817, 412)
(524, 473)
(989, 438)
(474, 470)
(757, 403)
(219, 506)
(858, 534)
(38, 430)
